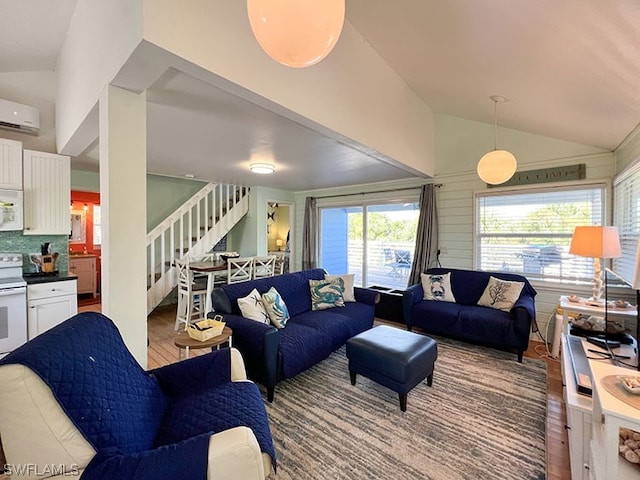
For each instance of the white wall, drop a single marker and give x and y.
(36, 89)
(101, 38)
(352, 94)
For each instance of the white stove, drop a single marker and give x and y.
(13, 303)
(11, 270)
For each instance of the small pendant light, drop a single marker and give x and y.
(496, 166)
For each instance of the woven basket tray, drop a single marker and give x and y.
(208, 329)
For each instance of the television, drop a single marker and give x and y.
(611, 339)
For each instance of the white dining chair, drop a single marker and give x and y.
(264, 266)
(191, 298)
(239, 269)
(279, 264)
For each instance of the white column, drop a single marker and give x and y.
(123, 198)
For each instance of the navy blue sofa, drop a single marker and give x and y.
(465, 320)
(272, 354)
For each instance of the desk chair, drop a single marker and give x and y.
(191, 298)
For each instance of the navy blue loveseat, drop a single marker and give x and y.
(468, 321)
(272, 354)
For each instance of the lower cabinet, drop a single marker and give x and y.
(84, 266)
(50, 304)
(578, 408)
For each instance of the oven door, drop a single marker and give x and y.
(13, 319)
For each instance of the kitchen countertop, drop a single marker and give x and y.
(35, 277)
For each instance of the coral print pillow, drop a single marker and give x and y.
(275, 307)
(326, 293)
(501, 294)
(437, 287)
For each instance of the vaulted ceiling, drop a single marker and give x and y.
(570, 69)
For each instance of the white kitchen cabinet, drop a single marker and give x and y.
(10, 164)
(47, 193)
(84, 266)
(49, 304)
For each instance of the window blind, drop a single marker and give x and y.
(626, 207)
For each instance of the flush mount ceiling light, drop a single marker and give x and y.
(296, 33)
(497, 166)
(262, 168)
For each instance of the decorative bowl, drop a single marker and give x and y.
(631, 383)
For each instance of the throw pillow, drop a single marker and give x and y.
(275, 307)
(251, 307)
(437, 287)
(348, 278)
(326, 293)
(501, 294)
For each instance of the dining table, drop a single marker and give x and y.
(210, 268)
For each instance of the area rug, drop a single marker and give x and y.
(483, 418)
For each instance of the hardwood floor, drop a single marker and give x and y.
(162, 351)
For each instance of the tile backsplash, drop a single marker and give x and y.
(14, 242)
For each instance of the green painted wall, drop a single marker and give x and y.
(164, 194)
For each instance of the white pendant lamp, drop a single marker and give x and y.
(497, 166)
(296, 33)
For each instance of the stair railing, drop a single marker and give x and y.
(195, 227)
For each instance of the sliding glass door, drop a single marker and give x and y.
(340, 250)
(375, 242)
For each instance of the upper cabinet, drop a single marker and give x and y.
(47, 187)
(10, 164)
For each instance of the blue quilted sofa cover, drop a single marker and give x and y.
(272, 354)
(143, 425)
(468, 321)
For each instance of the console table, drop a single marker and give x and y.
(593, 422)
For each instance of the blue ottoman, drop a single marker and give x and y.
(394, 358)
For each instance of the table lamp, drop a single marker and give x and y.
(596, 242)
(279, 243)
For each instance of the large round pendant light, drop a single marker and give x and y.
(497, 166)
(296, 33)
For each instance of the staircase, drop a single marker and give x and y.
(194, 228)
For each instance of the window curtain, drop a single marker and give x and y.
(426, 251)
(310, 234)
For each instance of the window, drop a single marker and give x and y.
(375, 242)
(529, 231)
(626, 207)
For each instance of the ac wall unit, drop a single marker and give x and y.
(19, 117)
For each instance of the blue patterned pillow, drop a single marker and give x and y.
(326, 293)
(275, 307)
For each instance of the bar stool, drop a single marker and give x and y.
(191, 299)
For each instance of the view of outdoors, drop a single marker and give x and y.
(531, 232)
(375, 242)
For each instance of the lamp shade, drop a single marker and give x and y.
(497, 167)
(595, 242)
(296, 33)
